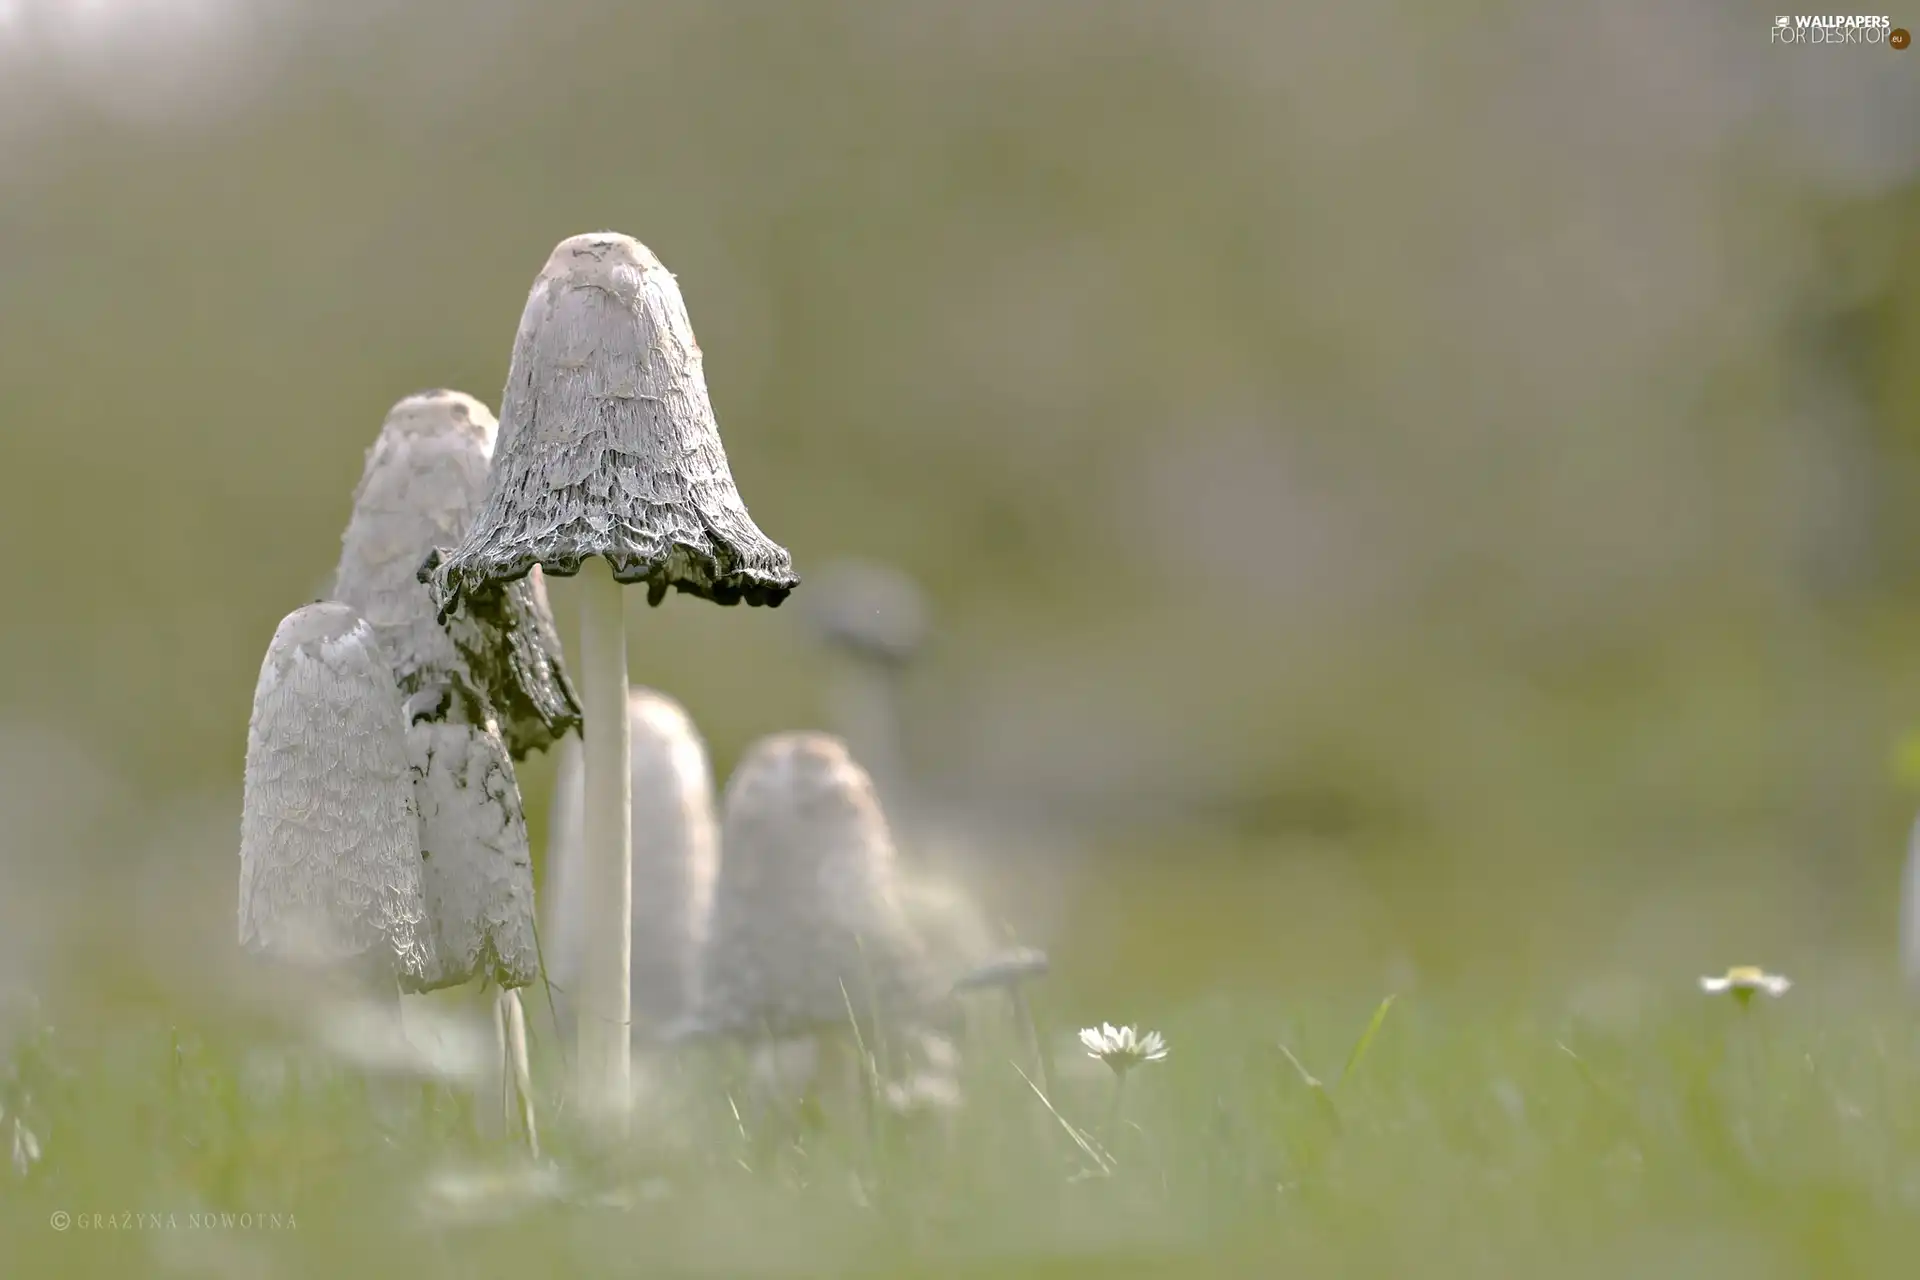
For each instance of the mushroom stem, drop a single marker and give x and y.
(605, 1008)
(1029, 1030)
(866, 698)
(516, 1092)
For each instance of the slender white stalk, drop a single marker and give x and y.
(866, 705)
(516, 1080)
(605, 1007)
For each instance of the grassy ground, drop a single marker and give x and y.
(1656, 1132)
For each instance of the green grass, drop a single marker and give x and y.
(1439, 1134)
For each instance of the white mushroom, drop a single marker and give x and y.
(477, 869)
(1010, 971)
(676, 852)
(806, 914)
(609, 453)
(874, 621)
(329, 836)
(808, 936)
(423, 481)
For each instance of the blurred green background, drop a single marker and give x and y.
(1405, 490)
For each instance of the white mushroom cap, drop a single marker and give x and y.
(329, 836)
(608, 445)
(1008, 969)
(676, 853)
(806, 915)
(477, 870)
(423, 481)
(871, 610)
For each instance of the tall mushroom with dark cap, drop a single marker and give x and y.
(609, 465)
(329, 835)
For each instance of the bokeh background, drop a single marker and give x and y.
(1408, 492)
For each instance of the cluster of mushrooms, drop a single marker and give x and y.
(383, 834)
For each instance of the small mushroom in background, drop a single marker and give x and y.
(421, 484)
(676, 854)
(874, 620)
(609, 466)
(808, 938)
(1009, 972)
(329, 835)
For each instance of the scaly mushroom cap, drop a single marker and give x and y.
(870, 610)
(805, 914)
(608, 446)
(424, 479)
(329, 836)
(676, 852)
(477, 871)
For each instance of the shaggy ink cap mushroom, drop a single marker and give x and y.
(329, 833)
(805, 912)
(608, 446)
(676, 854)
(870, 610)
(476, 864)
(424, 479)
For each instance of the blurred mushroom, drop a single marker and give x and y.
(1010, 971)
(329, 835)
(873, 619)
(609, 453)
(676, 853)
(807, 936)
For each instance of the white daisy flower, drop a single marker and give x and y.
(1122, 1048)
(1743, 980)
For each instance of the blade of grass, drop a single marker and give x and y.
(1317, 1089)
(1359, 1053)
(1079, 1139)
